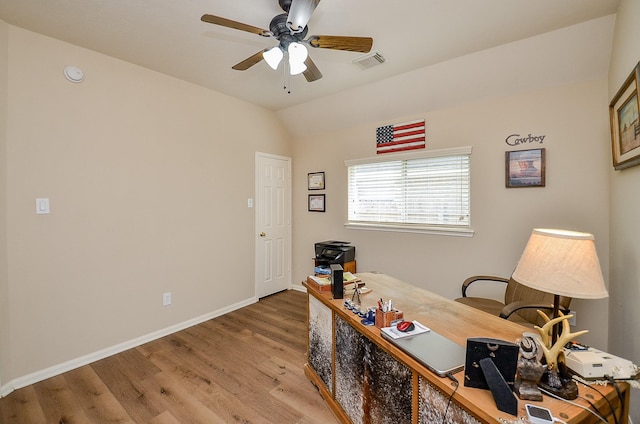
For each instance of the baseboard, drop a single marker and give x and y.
(41, 375)
(5, 390)
(299, 287)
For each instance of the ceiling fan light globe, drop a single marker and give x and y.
(297, 53)
(297, 68)
(273, 57)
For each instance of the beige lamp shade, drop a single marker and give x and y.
(561, 262)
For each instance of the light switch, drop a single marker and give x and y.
(250, 203)
(42, 206)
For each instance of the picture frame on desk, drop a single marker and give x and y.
(625, 123)
(316, 203)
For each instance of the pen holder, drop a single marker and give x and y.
(384, 319)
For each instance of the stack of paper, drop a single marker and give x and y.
(349, 277)
(321, 284)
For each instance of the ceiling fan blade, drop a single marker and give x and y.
(299, 14)
(217, 20)
(312, 73)
(337, 42)
(248, 62)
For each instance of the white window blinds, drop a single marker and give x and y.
(426, 190)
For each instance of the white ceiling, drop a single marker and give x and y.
(168, 36)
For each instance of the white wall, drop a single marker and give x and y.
(572, 116)
(624, 319)
(148, 179)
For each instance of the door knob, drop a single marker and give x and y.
(263, 234)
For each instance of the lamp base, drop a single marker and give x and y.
(559, 383)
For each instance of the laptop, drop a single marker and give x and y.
(439, 354)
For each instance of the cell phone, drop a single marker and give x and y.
(538, 414)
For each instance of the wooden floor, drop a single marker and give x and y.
(243, 367)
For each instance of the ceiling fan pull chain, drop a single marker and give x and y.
(286, 76)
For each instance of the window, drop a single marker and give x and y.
(425, 192)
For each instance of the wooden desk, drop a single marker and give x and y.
(364, 378)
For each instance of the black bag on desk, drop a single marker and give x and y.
(503, 354)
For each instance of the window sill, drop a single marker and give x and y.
(437, 230)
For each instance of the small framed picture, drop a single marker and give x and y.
(525, 168)
(315, 180)
(316, 203)
(625, 124)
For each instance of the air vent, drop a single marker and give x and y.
(369, 60)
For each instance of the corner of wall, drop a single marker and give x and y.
(4, 279)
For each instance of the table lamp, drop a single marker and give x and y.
(564, 263)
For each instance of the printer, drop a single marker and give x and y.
(334, 252)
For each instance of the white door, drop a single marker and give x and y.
(273, 224)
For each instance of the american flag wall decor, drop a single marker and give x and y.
(399, 137)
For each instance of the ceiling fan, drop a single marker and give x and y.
(290, 29)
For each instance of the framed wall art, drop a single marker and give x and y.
(625, 125)
(316, 203)
(525, 168)
(315, 180)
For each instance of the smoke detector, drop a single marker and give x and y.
(74, 74)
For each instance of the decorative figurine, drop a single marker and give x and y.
(529, 369)
(556, 379)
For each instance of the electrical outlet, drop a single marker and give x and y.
(572, 320)
(166, 299)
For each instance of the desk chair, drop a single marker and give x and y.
(520, 302)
